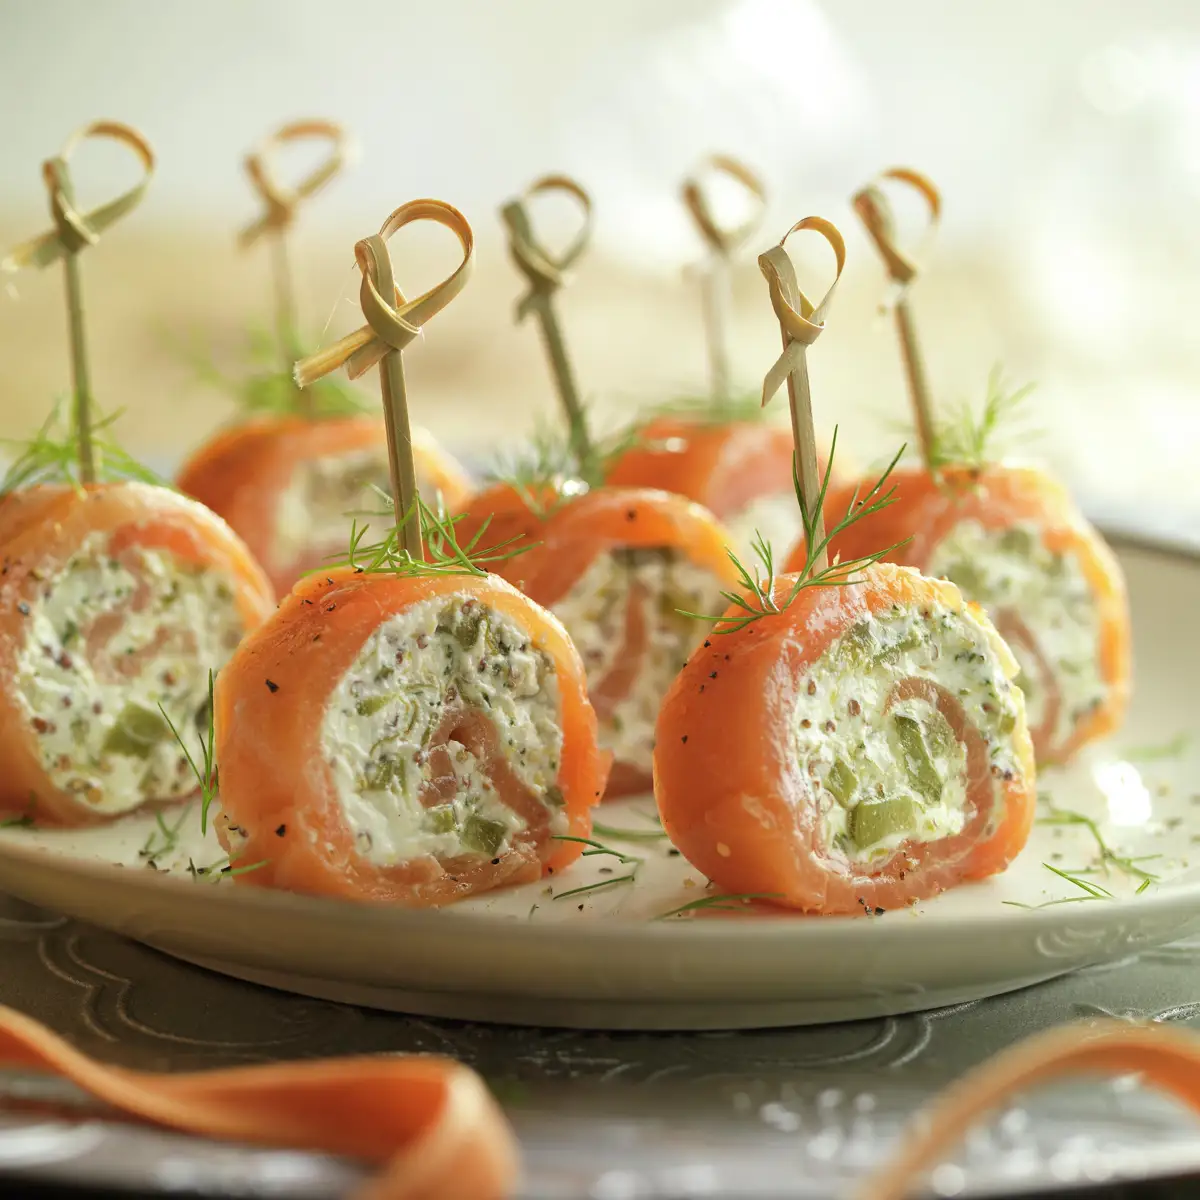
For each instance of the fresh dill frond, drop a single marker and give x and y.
(708, 409)
(731, 902)
(628, 835)
(444, 554)
(1108, 856)
(269, 390)
(206, 779)
(152, 850)
(223, 868)
(24, 821)
(964, 437)
(755, 597)
(594, 848)
(52, 455)
(1091, 891)
(1173, 749)
(547, 472)
(595, 887)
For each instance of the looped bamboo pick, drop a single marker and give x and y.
(723, 241)
(281, 201)
(546, 273)
(801, 322)
(391, 326)
(876, 215)
(73, 232)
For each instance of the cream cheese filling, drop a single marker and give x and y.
(108, 640)
(1012, 570)
(889, 770)
(661, 581)
(401, 795)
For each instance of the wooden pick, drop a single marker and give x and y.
(281, 201)
(876, 215)
(801, 323)
(73, 232)
(546, 273)
(723, 242)
(391, 325)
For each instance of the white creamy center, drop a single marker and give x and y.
(887, 769)
(314, 512)
(108, 640)
(408, 786)
(775, 516)
(595, 612)
(1012, 570)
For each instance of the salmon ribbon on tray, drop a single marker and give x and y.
(1010, 536)
(117, 596)
(429, 1123)
(623, 568)
(848, 740)
(406, 728)
(718, 450)
(286, 477)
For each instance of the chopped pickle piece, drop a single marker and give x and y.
(1017, 541)
(939, 735)
(370, 705)
(379, 775)
(858, 644)
(483, 835)
(918, 764)
(137, 731)
(870, 823)
(554, 796)
(841, 780)
(892, 653)
(441, 818)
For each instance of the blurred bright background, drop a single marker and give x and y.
(1065, 137)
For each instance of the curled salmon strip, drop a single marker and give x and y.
(115, 602)
(859, 750)
(429, 1123)
(405, 740)
(621, 568)
(741, 470)
(1166, 1057)
(288, 484)
(1014, 541)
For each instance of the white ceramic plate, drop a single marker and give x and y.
(598, 959)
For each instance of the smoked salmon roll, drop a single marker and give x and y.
(115, 601)
(741, 470)
(287, 484)
(1013, 539)
(861, 748)
(405, 739)
(621, 568)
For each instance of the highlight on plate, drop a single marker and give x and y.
(117, 596)
(406, 728)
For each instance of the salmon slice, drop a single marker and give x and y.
(283, 757)
(429, 1123)
(276, 481)
(629, 631)
(72, 665)
(1002, 500)
(750, 793)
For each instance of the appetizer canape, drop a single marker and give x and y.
(848, 739)
(1013, 539)
(406, 728)
(116, 596)
(621, 567)
(721, 450)
(287, 474)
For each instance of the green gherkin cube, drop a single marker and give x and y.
(841, 780)
(870, 823)
(916, 759)
(483, 835)
(370, 705)
(137, 731)
(441, 819)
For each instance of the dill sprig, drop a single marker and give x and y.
(1108, 856)
(1173, 749)
(206, 779)
(271, 390)
(152, 851)
(595, 887)
(52, 455)
(594, 848)
(24, 821)
(966, 438)
(444, 554)
(1091, 891)
(628, 835)
(722, 902)
(708, 410)
(223, 868)
(755, 597)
